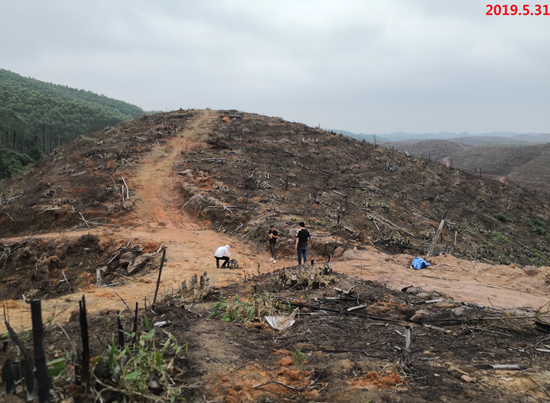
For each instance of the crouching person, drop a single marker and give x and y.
(222, 253)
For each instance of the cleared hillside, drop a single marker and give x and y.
(262, 169)
(527, 166)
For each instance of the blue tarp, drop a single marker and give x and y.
(419, 263)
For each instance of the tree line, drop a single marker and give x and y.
(36, 117)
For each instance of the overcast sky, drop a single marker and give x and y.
(368, 66)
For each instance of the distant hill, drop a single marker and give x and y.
(533, 138)
(483, 141)
(36, 117)
(360, 136)
(433, 150)
(528, 165)
(400, 136)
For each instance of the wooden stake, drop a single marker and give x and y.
(408, 353)
(41, 373)
(120, 331)
(135, 324)
(436, 237)
(85, 344)
(158, 280)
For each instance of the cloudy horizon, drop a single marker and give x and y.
(365, 66)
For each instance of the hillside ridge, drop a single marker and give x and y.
(238, 171)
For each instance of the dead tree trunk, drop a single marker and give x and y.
(85, 344)
(436, 237)
(41, 373)
(158, 280)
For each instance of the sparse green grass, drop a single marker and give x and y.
(143, 359)
(502, 217)
(539, 255)
(240, 310)
(500, 236)
(539, 231)
(299, 358)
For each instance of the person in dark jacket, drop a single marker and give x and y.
(273, 235)
(303, 239)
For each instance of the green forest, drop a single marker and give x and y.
(36, 117)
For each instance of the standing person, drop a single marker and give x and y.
(220, 254)
(273, 235)
(303, 238)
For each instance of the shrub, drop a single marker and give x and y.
(539, 230)
(502, 217)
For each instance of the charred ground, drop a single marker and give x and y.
(330, 353)
(349, 193)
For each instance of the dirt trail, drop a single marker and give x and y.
(154, 181)
(187, 254)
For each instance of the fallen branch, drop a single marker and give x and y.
(67, 281)
(122, 301)
(137, 225)
(192, 197)
(281, 384)
(80, 173)
(396, 226)
(539, 385)
(83, 219)
(339, 311)
(341, 194)
(113, 258)
(291, 153)
(127, 190)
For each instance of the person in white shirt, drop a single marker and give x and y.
(222, 253)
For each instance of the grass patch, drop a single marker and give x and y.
(499, 236)
(501, 217)
(239, 309)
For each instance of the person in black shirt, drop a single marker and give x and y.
(303, 239)
(273, 235)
